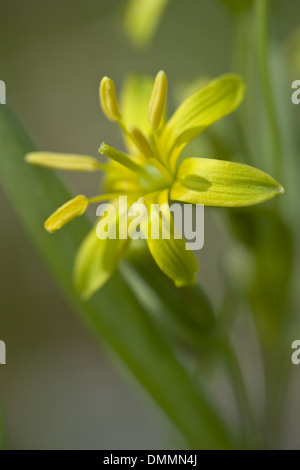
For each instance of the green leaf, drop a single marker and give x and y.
(217, 99)
(186, 311)
(237, 5)
(2, 438)
(113, 314)
(221, 183)
(265, 232)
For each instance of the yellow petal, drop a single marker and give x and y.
(97, 259)
(69, 211)
(169, 253)
(61, 161)
(135, 96)
(222, 183)
(142, 18)
(204, 107)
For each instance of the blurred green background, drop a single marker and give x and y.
(58, 390)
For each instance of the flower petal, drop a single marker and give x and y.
(222, 183)
(97, 259)
(62, 161)
(170, 254)
(135, 97)
(204, 107)
(142, 18)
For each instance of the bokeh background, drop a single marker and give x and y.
(59, 389)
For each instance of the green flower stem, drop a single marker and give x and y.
(261, 15)
(252, 436)
(189, 305)
(243, 63)
(189, 315)
(2, 437)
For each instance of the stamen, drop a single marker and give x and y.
(64, 214)
(142, 143)
(60, 161)
(158, 100)
(108, 99)
(120, 158)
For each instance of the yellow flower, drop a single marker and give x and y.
(149, 173)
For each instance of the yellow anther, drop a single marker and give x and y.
(64, 214)
(61, 161)
(108, 99)
(158, 99)
(141, 142)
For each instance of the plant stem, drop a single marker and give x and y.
(251, 436)
(261, 18)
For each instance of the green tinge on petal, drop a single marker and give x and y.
(204, 107)
(170, 254)
(97, 259)
(62, 161)
(142, 18)
(222, 183)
